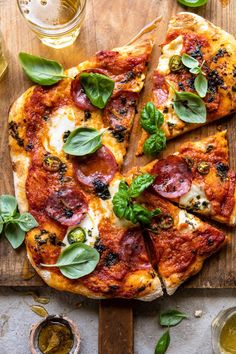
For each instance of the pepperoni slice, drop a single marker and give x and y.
(174, 178)
(100, 165)
(67, 206)
(78, 94)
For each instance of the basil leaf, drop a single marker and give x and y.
(151, 118)
(189, 62)
(14, 234)
(143, 215)
(77, 260)
(155, 143)
(189, 107)
(163, 343)
(196, 71)
(120, 200)
(83, 141)
(1, 224)
(130, 214)
(97, 87)
(8, 206)
(139, 184)
(171, 318)
(193, 3)
(41, 70)
(27, 222)
(201, 85)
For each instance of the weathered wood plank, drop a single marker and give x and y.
(115, 327)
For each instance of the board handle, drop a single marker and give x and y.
(116, 331)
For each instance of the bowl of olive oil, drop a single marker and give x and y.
(54, 335)
(224, 332)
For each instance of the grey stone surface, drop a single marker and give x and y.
(192, 336)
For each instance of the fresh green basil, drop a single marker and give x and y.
(171, 318)
(200, 82)
(76, 260)
(189, 107)
(155, 143)
(83, 141)
(193, 3)
(189, 62)
(121, 200)
(139, 184)
(8, 206)
(97, 87)
(163, 343)
(124, 205)
(12, 223)
(26, 222)
(151, 118)
(40, 70)
(201, 85)
(14, 234)
(151, 121)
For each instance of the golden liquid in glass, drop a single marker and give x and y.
(56, 22)
(228, 336)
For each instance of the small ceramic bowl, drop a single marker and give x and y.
(217, 325)
(35, 330)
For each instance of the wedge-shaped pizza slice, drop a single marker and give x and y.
(195, 80)
(66, 154)
(180, 242)
(199, 179)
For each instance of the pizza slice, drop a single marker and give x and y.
(195, 80)
(68, 193)
(199, 179)
(180, 242)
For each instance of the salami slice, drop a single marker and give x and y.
(67, 206)
(100, 165)
(174, 178)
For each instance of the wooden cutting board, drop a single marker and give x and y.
(108, 24)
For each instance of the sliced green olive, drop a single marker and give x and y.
(175, 63)
(203, 167)
(76, 235)
(166, 221)
(52, 163)
(189, 161)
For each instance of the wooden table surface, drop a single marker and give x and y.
(108, 24)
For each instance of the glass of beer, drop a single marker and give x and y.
(57, 23)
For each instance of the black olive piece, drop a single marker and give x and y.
(101, 189)
(111, 259)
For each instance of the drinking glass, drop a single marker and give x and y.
(57, 23)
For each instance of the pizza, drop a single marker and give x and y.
(67, 153)
(61, 191)
(198, 178)
(214, 50)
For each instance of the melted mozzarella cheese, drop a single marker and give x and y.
(195, 199)
(61, 121)
(173, 48)
(189, 222)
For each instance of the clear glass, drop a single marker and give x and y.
(57, 23)
(3, 62)
(216, 328)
